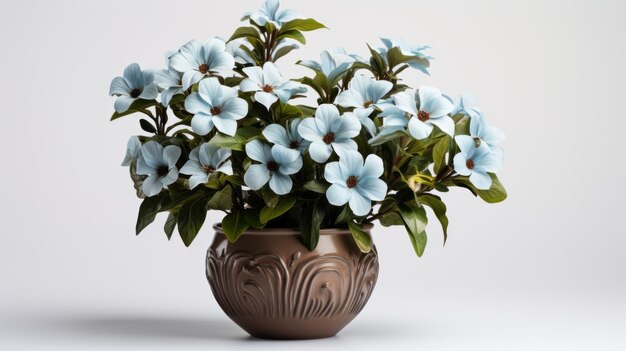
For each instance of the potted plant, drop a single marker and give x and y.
(300, 183)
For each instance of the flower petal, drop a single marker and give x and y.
(406, 102)
(234, 108)
(348, 126)
(372, 188)
(211, 91)
(226, 168)
(373, 167)
(467, 145)
(202, 123)
(143, 168)
(309, 131)
(190, 78)
(265, 99)
(289, 160)
(418, 129)
(256, 176)
(248, 84)
(325, 117)
(255, 76)
(133, 150)
(122, 103)
(271, 75)
(192, 167)
(280, 183)
(460, 164)
(445, 124)
(194, 103)
(351, 164)
(226, 126)
(197, 179)
(333, 175)
(350, 98)
(258, 151)
(319, 150)
(344, 145)
(338, 194)
(152, 153)
(171, 153)
(276, 134)
(377, 89)
(171, 176)
(359, 204)
(152, 185)
(481, 180)
(119, 86)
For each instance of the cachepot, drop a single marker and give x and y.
(273, 287)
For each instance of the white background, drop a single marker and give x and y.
(544, 270)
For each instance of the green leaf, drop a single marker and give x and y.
(439, 153)
(138, 105)
(316, 186)
(269, 197)
(148, 210)
(383, 139)
(496, 193)
(191, 218)
(245, 32)
(282, 52)
(362, 238)
(439, 208)
(170, 224)
(147, 126)
(293, 34)
(390, 219)
(395, 57)
(236, 142)
(415, 222)
(377, 62)
(234, 224)
(303, 25)
(283, 205)
(310, 223)
(222, 200)
(251, 215)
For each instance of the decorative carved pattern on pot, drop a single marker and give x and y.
(273, 287)
(297, 286)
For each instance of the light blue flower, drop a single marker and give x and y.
(364, 93)
(134, 84)
(205, 160)
(276, 164)
(170, 83)
(354, 182)
(289, 138)
(133, 151)
(215, 105)
(463, 104)
(476, 161)
(196, 60)
(332, 64)
(269, 85)
(424, 109)
(269, 13)
(420, 61)
(329, 131)
(159, 164)
(480, 129)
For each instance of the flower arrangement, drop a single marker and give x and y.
(226, 133)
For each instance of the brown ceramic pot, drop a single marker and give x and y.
(273, 287)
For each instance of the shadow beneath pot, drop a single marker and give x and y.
(135, 327)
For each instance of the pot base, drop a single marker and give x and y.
(292, 329)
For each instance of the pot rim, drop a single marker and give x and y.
(291, 231)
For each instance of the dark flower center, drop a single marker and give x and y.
(293, 144)
(351, 181)
(135, 93)
(367, 104)
(423, 116)
(215, 110)
(272, 166)
(162, 171)
(267, 88)
(203, 68)
(470, 164)
(208, 169)
(329, 138)
(477, 141)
